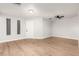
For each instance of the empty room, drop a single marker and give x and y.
(39, 29)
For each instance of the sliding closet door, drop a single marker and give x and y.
(8, 26)
(18, 27)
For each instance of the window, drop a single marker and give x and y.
(8, 26)
(18, 26)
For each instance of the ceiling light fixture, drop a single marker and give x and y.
(30, 11)
(59, 17)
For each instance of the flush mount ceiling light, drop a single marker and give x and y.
(31, 11)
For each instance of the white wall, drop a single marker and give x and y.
(30, 28)
(34, 28)
(47, 28)
(66, 27)
(38, 28)
(13, 36)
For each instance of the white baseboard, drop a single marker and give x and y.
(38, 37)
(68, 37)
(9, 40)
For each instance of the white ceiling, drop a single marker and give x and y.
(40, 9)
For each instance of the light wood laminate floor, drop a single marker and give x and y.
(44, 47)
